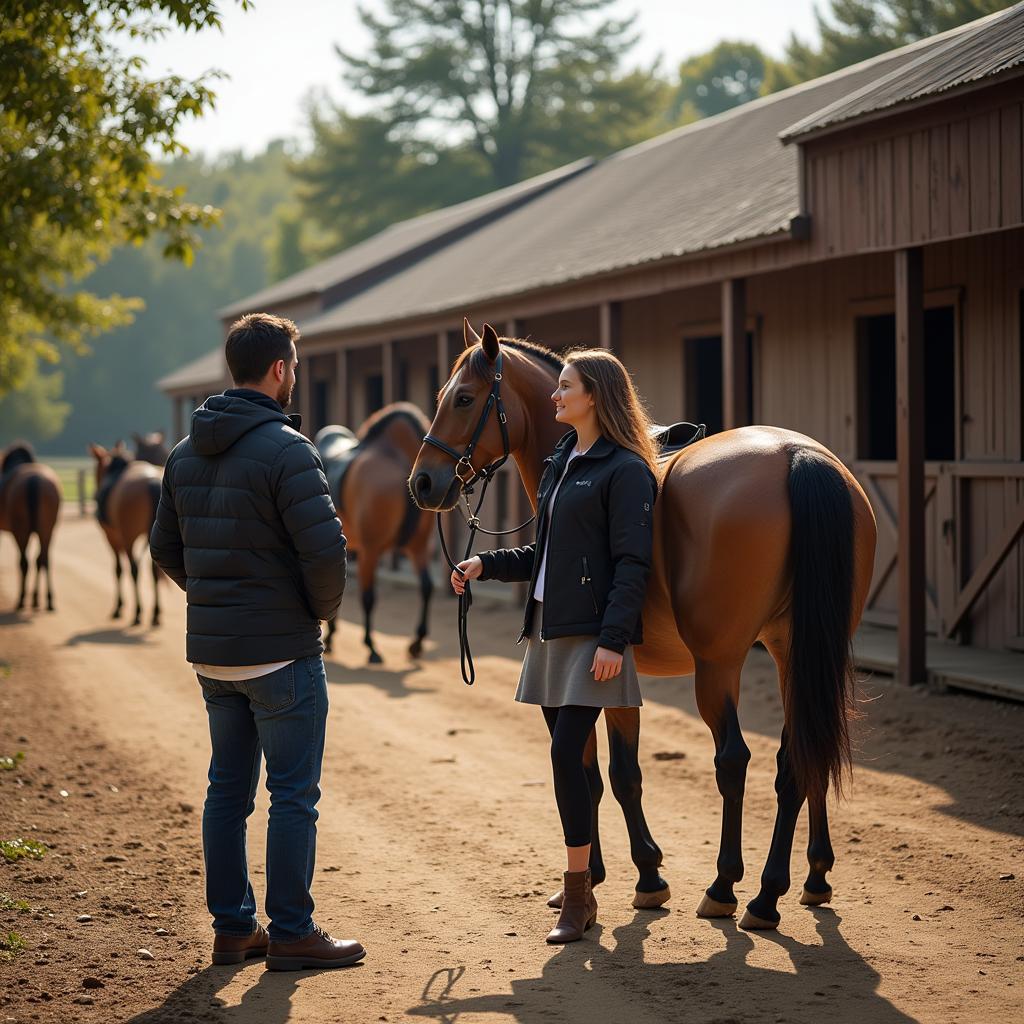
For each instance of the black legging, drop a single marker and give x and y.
(570, 728)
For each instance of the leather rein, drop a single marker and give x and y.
(468, 477)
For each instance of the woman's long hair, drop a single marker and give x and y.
(621, 415)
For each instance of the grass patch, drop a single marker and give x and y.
(16, 849)
(10, 903)
(5, 669)
(8, 764)
(11, 945)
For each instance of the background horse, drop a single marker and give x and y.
(151, 448)
(29, 503)
(368, 475)
(759, 534)
(127, 493)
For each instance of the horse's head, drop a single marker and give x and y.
(109, 460)
(461, 406)
(19, 453)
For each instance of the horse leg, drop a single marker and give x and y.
(819, 855)
(426, 590)
(23, 566)
(155, 569)
(367, 572)
(133, 566)
(596, 786)
(717, 688)
(329, 639)
(40, 564)
(762, 912)
(627, 786)
(117, 583)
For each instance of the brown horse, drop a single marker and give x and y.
(368, 475)
(151, 448)
(127, 493)
(760, 534)
(29, 503)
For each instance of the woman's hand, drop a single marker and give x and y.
(606, 665)
(471, 570)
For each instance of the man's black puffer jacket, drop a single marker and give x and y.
(246, 527)
(599, 546)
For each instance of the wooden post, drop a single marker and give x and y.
(81, 491)
(610, 316)
(909, 281)
(735, 360)
(389, 364)
(444, 358)
(340, 389)
(179, 417)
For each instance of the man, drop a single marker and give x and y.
(246, 527)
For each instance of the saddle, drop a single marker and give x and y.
(675, 437)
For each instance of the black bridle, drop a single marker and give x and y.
(467, 482)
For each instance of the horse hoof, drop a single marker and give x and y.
(415, 649)
(375, 658)
(815, 899)
(752, 923)
(555, 901)
(651, 900)
(712, 908)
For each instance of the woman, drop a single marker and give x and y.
(588, 573)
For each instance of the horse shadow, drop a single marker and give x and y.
(268, 1001)
(109, 636)
(584, 982)
(391, 681)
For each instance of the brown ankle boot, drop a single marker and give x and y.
(579, 908)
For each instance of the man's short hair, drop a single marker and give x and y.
(255, 342)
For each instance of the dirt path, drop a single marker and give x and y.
(438, 842)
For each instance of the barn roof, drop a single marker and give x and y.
(970, 55)
(716, 182)
(408, 239)
(200, 372)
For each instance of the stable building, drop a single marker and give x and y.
(845, 258)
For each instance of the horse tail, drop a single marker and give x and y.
(819, 684)
(32, 501)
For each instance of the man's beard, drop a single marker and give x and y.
(284, 396)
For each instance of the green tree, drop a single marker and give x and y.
(493, 73)
(726, 76)
(79, 126)
(854, 30)
(35, 410)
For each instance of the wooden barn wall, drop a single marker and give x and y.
(560, 330)
(924, 176)
(807, 370)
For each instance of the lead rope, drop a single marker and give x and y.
(466, 597)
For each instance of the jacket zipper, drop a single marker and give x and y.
(587, 579)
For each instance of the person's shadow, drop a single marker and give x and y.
(267, 1001)
(583, 982)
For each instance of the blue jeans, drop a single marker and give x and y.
(283, 716)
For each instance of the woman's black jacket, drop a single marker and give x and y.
(599, 546)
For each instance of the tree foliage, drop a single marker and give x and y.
(726, 76)
(79, 126)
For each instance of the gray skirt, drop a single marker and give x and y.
(557, 672)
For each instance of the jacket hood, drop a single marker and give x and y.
(222, 419)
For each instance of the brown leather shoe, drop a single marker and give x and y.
(235, 949)
(579, 908)
(316, 950)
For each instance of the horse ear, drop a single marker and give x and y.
(158, 437)
(136, 437)
(469, 336)
(97, 451)
(490, 342)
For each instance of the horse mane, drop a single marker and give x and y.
(476, 362)
(16, 454)
(378, 422)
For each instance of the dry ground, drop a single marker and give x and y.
(439, 841)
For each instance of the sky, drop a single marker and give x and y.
(280, 52)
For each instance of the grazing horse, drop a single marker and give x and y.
(29, 503)
(151, 448)
(368, 475)
(127, 493)
(759, 534)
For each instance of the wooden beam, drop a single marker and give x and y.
(610, 316)
(179, 417)
(342, 403)
(909, 278)
(736, 410)
(988, 568)
(389, 369)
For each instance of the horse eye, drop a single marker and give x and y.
(463, 400)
